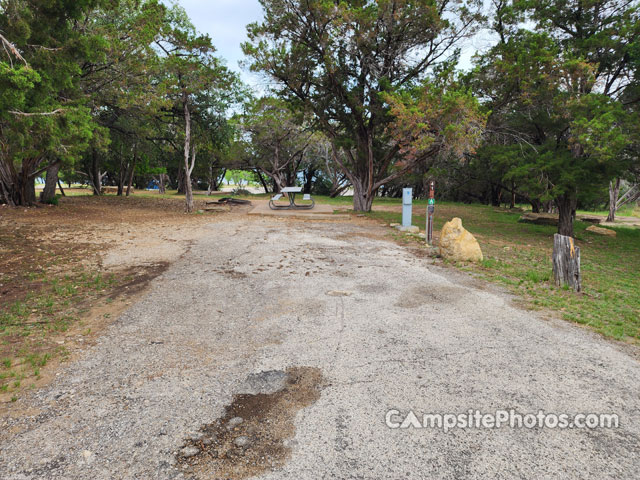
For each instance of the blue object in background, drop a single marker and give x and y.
(407, 208)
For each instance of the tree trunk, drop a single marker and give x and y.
(162, 187)
(362, 201)
(29, 190)
(566, 210)
(337, 191)
(309, 173)
(263, 181)
(361, 174)
(17, 188)
(25, 193)
(181, 181)
(4, 196)
(188, 196)
(535, 205)
(566, 262)
(215, 177)
(49, 192)
(278, 180)
(61, 189)
(219, 179)
(210, 181)
(94, 175)
(121, 176)
(496, 190)
(187, 148)
(513, 195)
(614, 193)
(131, 173)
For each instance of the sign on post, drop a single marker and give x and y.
(431, 208)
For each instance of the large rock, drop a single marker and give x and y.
(458, 244)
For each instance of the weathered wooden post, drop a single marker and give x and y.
(566, 262)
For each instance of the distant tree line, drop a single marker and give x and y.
(365, 96)
(108, 93)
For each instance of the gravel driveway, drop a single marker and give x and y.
(276, 349)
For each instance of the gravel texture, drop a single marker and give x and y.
(385, 327)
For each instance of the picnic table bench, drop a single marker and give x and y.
(292, 205)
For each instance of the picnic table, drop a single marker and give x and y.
(291, 194)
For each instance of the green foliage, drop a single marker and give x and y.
(273, 139)
(77, 92)
(335, 59)
(559, 128)
(44, 115)
(53, 201)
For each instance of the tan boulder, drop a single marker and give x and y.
(602, 231)
(458, 244)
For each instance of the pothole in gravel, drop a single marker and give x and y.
(255, 435)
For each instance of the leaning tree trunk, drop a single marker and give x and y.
(614, 193)
(566, 262)
(51, 180)
(336, 191)
(536, 205)
(219, 179)
(262, 181)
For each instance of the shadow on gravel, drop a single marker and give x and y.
(255, 433)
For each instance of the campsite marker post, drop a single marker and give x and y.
(431, 208)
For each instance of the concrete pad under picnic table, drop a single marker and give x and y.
(319, 212)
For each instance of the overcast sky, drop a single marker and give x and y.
(226, 20)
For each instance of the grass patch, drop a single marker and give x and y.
(27, 325)
(518, 255)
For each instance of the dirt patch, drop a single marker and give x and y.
(68, 272)
(254, 435)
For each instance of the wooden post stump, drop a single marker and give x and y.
(566, 262)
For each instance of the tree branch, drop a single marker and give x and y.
(38, 114)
